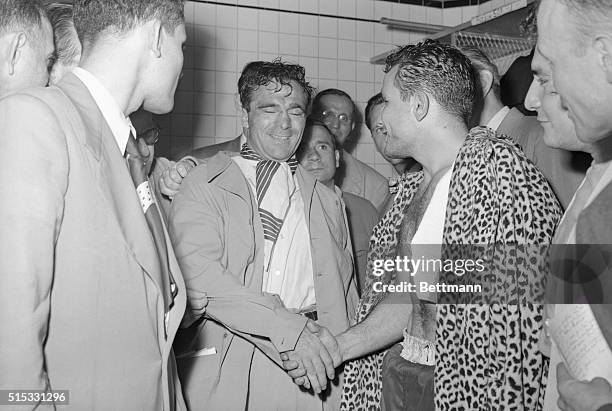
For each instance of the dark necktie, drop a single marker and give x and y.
(264, 173)
(139, 175)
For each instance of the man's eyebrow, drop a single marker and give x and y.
(269, 105)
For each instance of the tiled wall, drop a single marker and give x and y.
(334, 51)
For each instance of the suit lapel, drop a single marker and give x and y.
(113, 178)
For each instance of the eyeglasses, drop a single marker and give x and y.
(329, 115)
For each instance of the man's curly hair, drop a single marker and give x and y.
(260, 73)
(438, 70)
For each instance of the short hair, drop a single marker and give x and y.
(316, 104)
(21, 15)
(95, 17)
(67, 45)
(374, 101)
(260, 73)
(439, 70)
(481, 62)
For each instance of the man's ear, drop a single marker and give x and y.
(244, 118)
(156, 38)
(16, 46)
(337, 155)
(485, 78)
(420, 106)
(603, 46)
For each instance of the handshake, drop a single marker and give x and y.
(314, 359)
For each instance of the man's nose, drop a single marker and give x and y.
(532, 100)
(285, 120)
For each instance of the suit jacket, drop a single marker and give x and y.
(563, 169)
(362, 217)
(218, 238)
(80, 303)
(209, 151)
(594, 228)
(356, 177)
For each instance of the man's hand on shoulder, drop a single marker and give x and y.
(172, 177)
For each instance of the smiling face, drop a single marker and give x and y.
(559, 131)
(576, 66)
(379, 133)
(318, 155)
(275, 120)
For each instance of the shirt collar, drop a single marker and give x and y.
(497, 119)
(119, 124)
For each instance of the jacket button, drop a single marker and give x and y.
(319, 274)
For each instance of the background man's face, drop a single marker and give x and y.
(397, 118)
(317, 154)
(275, 120)
(379, 133)
(167, 72)
(576, 72)
(337, 114)
(33, 67)
(559, 131)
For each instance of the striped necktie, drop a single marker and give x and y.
(264, 173)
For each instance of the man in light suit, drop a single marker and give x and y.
(26, 45)
(269, 246)
(563, 169)
(91, 293)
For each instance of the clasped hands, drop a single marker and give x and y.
(313, 361)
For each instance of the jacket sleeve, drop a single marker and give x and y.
(34, 178)
(197, 232)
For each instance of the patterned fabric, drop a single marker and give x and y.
(488, 355)
(362, 377)
(264, 174)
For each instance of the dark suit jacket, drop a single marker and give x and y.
(595, 227)
(362, 216)
(80, 301)
(563, 169)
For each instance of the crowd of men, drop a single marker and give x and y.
(231, 278)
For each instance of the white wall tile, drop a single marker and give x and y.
(365, 50)
(311, 66)
(327, 83)
(226, 38)
(289, 23)
(181, 125)
(227, 16)
(364, 9)
(189, 13)
(203, 141)
(203, 126)
(225, 127)
(382, 34)
(346, 49)
(268, 42)
(268, 20)
(183, 102)
(247, 40)
(186, 82)
(205, 36)
(347, 86)
(346, 70)
(273, 4)
(346, 8)
(309, 46)
(452, 16)
(288, 44)
(247, 18)
(226, 82)
(309, 6)
(205, 58)
(328, 69)
(226, 60)
(328, 47)
(266, 56)
(309, 25)
(225, 105)
(204, 80)
(293, 5)
(329, 7)
(434, 15)
(346, 29)
(401, 11)
(204, 14)
(328, 27)
(382, 9)
(189, 56)
(364, 72)
(244, 57)
(365, 31)
(204, 103)
(418, 14)
(468, 13)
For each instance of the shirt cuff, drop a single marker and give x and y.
(144, 195)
